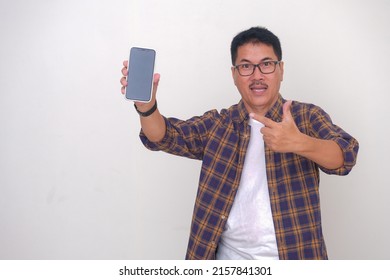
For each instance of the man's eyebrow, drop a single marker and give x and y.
(244, 60)
(267, 58)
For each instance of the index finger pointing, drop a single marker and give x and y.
(266, 121)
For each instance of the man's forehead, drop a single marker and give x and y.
(255, 50)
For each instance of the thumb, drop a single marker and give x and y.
(156, 80)
(287, 110)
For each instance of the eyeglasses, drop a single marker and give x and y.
(266, 67)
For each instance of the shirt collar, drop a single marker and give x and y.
(275, 112)
(241, 114)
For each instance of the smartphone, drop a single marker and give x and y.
(140, 74)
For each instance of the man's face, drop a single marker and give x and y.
(258, 91)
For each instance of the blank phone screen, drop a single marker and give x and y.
(140, 74)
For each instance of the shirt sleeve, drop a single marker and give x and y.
(323, 128)
(184, 138)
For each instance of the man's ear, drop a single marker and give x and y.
(281, 69)
(234, 74)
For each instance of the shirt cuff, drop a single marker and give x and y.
(162, 145)
(349, 149)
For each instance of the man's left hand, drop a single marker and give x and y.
(284, 136)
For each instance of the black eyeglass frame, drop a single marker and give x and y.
(275, 62)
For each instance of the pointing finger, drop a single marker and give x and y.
(266, 121)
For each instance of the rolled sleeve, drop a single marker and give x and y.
(349, 148)
(323, 128)
(184, 138)
(164, 144)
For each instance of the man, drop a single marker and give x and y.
(258, 195)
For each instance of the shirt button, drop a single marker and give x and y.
(223, 217)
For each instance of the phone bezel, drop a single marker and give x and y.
(132, 98)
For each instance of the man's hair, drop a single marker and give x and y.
(255, 35)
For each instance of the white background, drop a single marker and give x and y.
(75, 181)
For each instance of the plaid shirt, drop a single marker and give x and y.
(220, 140)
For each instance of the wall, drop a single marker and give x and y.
(75, 181)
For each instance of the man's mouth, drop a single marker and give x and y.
(258, 87)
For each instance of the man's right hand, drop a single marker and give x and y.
(154, 125)
(143, 107)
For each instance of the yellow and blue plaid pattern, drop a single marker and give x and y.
(220, 140)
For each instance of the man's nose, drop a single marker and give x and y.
(257, 73)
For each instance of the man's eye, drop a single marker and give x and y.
(267, 63)
(246, 66)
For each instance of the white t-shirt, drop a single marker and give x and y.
(249, 231)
